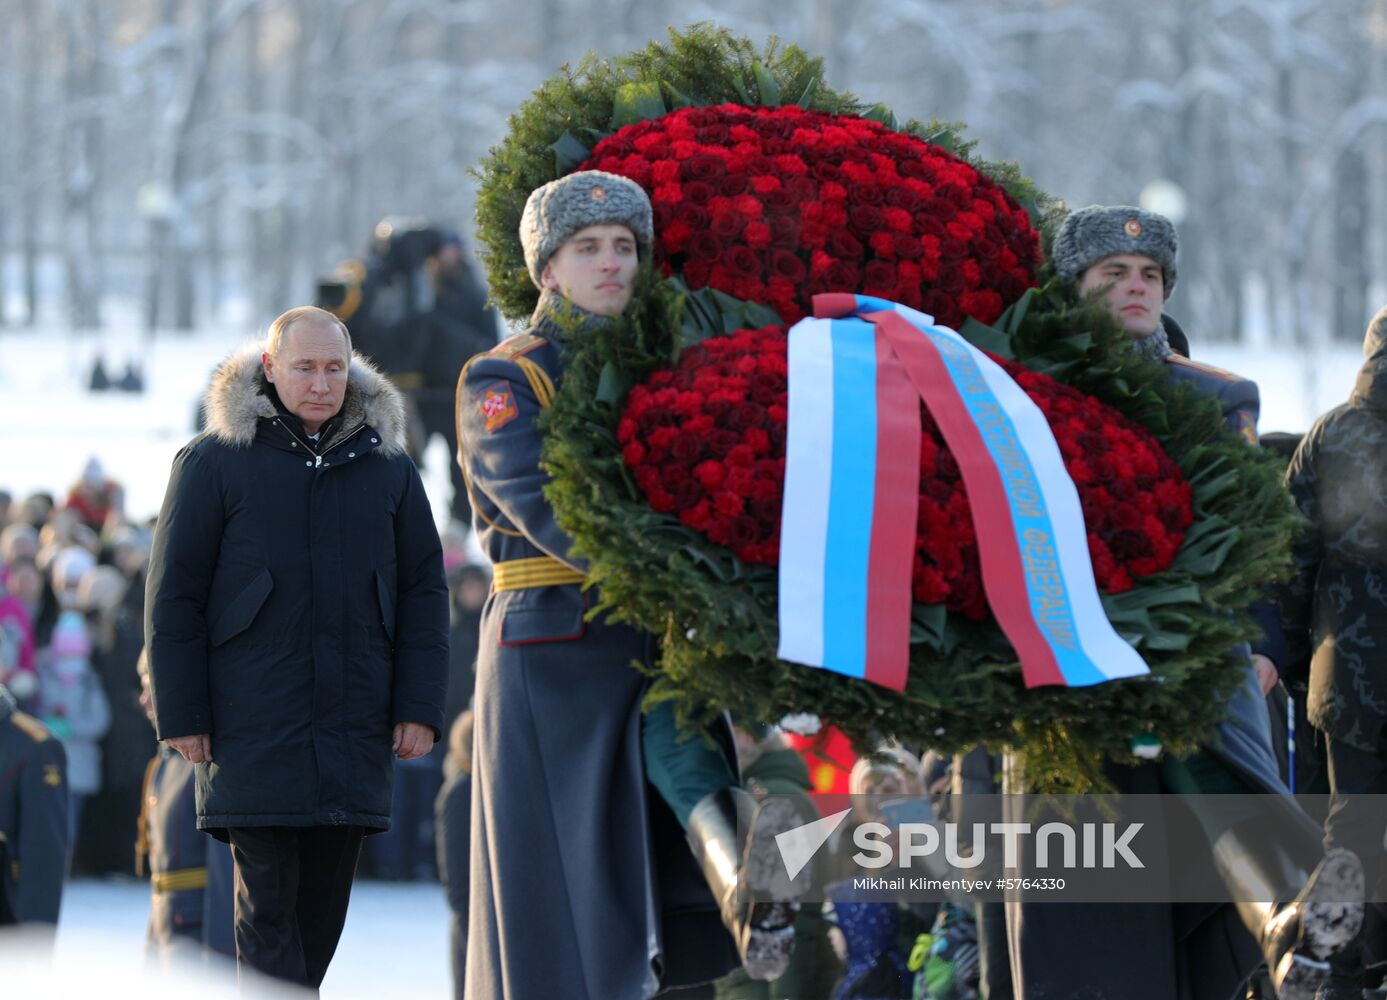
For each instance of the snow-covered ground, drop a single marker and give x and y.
(395, 945)
(50, 424)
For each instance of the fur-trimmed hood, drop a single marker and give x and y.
(236, 401)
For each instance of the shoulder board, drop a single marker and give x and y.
(1199, 366)
(514, 347)
(31, 726)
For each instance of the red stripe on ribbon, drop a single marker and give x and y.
(1002, 571)
(834, 305)
(895, 510)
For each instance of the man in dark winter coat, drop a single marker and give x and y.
(296, 626)
(581, 882)
(1336, 611)
(1126, 257)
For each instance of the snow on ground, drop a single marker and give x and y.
(395, 944)
(50, 423)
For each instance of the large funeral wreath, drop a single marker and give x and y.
(666, 438)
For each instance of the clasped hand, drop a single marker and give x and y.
(411, 741)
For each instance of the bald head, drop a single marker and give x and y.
(299, 316)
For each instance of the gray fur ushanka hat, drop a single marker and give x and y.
(557, 210)
(1090, 234)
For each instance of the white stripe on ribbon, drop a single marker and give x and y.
(808, 479)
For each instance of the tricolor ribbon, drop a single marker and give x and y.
(858, 370)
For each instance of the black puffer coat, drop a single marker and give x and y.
(1336, 607)
(296, 606)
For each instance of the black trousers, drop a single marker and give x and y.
(292, 889)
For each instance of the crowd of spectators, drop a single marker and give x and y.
(72, 572)
(72, 587)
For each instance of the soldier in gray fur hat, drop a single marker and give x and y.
(570, 805)
(1127, 255)
(1296, 907)
(571, 223)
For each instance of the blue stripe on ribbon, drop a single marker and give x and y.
(1003, 444)
(852, 497)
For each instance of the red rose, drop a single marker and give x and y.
(744, 532)
(728, 225)
(686, 447)
(704, 168)
(879, 278)
(728, 504)
(788, 266)
(704, 247)
(743, 262)
(844, 245)
(864, 220)
(842, 276)
(733, 185)
(757, 235)
(686, 494)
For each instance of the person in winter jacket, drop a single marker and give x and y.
(1336, 614)
(579, 870)
(296, 623)
(117, 640)
(95, 497)
(18, 670)
(1295, 906)
(72, 702)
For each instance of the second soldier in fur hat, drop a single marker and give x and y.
(1127, 255)
(564, 758)
(1313, 908)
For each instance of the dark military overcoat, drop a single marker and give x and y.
(190, 874)
(1156, 951)
(582, 883)
(33, 815)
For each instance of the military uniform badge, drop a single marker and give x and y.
(497, 406)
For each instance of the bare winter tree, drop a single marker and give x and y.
(226, 152)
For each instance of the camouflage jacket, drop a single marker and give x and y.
(1335, 610)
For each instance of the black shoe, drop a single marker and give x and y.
(1301, 937)
(754, 891)
(1304, 908)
